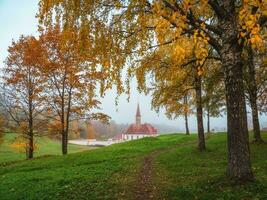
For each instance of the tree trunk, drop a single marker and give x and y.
(30, 147)
(252, 87)
(208, 120)
(66, 125)
(201, 137)
(186, 116)
(239, 166)
(30, 123)
(64, 136)
(255, 119)
(64, 143)
(186, 124)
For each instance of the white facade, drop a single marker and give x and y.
(134, 136)
(91, 142)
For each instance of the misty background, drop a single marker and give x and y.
(20, 19)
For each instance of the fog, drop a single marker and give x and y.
(18, 17)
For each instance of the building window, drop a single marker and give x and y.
(131, 137)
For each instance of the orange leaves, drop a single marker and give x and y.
(201, 47)
(186, 109)
(249, 22)
(187, 4)
(162, 29)
(54, 127)
(179, 53)
(200, 71)
(158, 8)
(127, 31)
(20, 145)
(72, 77)
(23, 82)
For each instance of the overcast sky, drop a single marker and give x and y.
(18, 17)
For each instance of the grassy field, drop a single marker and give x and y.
(176, 171)
(45, 147)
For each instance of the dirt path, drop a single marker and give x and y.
(144, 188)
(144, 185)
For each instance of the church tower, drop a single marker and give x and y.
(138, 116)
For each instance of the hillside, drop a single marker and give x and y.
(166, 167)
(45, 146)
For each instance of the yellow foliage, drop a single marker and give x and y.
(20, 145)
(249, 23)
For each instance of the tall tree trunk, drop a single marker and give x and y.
(239, 166)
(30, 123)
(66, 122)
(201, 136)
(186, 124)
(208, 120)
(64, 143)
(252, 87)
(30, 146)
(255, 119)
(30, 137)
(64, 137)
(186, 116)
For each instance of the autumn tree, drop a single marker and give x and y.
(135, 28)
(187, 112)
(75, 129)
(255, 83)
(53, 125)
(23, 85)
(109, 130)
(175, 103)
(170, 91)
(213, 92)
(72, 81)
(90, 131)
(172, 85)
(263, 102)
(262, 84)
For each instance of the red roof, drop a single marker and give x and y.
(142, 129)
(138, 111)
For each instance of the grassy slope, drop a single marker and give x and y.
(186, 173)
(111, 172)
(45, 147)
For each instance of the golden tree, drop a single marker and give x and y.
(75, 129)
(125, 31)
(262, 84)
(90, 131)
(172, 85)
(213, 92)
(22, 89)
(255, 83)
(72, 81)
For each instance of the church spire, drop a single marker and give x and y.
(138, 111)
(138, 116)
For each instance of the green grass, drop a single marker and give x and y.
(45, 147)
(186, 172)
(179, 172)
